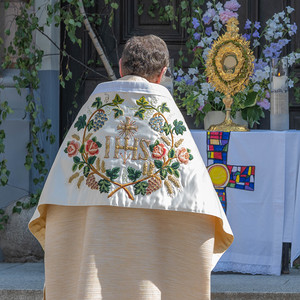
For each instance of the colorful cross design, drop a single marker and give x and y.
(223, 175)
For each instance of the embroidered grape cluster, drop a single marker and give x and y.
(91, 182)
(156, 123)
(99, 120)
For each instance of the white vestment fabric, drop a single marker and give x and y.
(129, 147)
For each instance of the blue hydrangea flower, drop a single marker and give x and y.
(206, 19)
(208, 30)
(293, 29)
(260, 65)
(283, 42)
(268, 52)
(195, 23)
(248, 24)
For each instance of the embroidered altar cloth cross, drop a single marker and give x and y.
(222, 174)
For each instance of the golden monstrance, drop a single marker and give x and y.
(228, 68)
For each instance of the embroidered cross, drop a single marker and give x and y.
(223, 175)
(127, 128)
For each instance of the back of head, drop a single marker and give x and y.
(144, 56)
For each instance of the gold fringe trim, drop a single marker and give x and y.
(75, 175)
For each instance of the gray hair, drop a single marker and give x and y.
(144, 56)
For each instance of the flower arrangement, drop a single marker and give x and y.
(198, 96)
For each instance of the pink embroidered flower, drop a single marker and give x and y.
(183, 156)
(159, 151)
(72, 148)
(91, 147)
(232, 5)
(227, 14)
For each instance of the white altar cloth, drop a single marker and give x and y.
(262, 219)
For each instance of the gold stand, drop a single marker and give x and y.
(228, 124)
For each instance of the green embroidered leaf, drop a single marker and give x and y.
(80, 166)
(170, 170)
(191, 157)
(81, 149)
(66, 150)
(94, 139)
(151, 147)
(163, 173)
(176, 173)
(117, 100)
(164, 108)
(140, 188)
(91, 159)
(171, 153)
(175, 165)
(104, 185)
(158, 164)
(86, 171)
(99, 144)
(142, 101)
(74, 167)
(97, 103)
(133, 174)
(179, 127)
(113, 173)
(76, 159)
(156, 143)
(81, 122)
(188, 150)
(167, 128)
(90, 125)
(118, 112)
(140, 113)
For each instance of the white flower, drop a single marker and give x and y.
(201, 44)
(219, 6)
(193, 71)
(260, 75)
(207, 40)
(290, 83)
(209, 4)
(256, 43)
(256, 88)
(186, 77)
(205, 53)
(217, 26)
(201, 98)
(180, 72)
(291, 58)
(278, 34)
(216, 18)
(289, 9)
(205, 88)
(281, 14)
(286, 20)
(214, 35)
(217, 100)
(195, 79)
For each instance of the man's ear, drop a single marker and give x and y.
(163, 71)
(120, 67)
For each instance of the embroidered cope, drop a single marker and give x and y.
(130, 147)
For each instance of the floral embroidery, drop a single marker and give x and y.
(161, 168)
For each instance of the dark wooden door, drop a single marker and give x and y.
(128, 23)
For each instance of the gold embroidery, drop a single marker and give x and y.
(169, 187)
(76, 137)
(178, 143)
(88, 137)
(98, 164)
(81, 178)
(144, 144)
(174, 180)
(166, 140)
(127, 128)
(145, 168)
(107, 146)
(126, 147)
(75, 175)
(151, 168)
(103, 168)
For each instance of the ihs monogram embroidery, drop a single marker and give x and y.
(162, 159)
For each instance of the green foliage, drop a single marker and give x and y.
(104, 186)
(113, 173)
(140, 188)
(133, 174)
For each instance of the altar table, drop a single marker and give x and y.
(264, 218)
